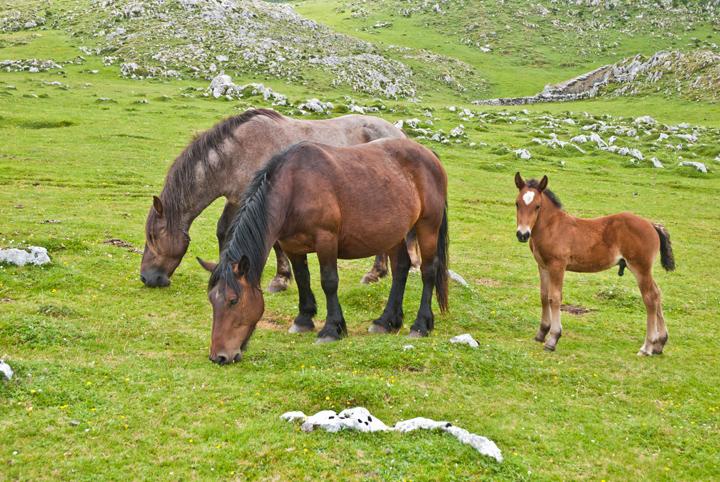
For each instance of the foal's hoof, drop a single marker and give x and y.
(549, 347)
(278, 284)
(300, 328)
(540, 338)
(416, 334)
(326, 339)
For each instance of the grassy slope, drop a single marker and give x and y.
(522, 62)
(128, 365)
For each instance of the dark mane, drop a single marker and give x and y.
(180, 182)
(248, 231)
(534, 183)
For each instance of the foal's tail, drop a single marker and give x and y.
(667, 259)
(441, 263)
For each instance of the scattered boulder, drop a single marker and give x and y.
(20, 257)
(465, 339)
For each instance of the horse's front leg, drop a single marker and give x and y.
(283, 275)
(307, 307)
(556, 275)
(545, 301)
(392, 318)
(335, 327)
(223, 225)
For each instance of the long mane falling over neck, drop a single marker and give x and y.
(181, 187)
(249, 232)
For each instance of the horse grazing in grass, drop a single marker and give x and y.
(221, 162)
(339, 202)
(563, 242)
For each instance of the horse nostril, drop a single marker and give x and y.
(142, 278)
(237, 357)
(221, 359)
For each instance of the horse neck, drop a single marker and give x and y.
(549, 216)
(200, 191)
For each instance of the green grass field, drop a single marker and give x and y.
(113, 381)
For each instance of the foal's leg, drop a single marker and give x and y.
(392, 318)
(224, 223)
(412, 250)
(425, 321)
(307, 306)
(378, 270)
(654, 339)
(283, 275)
(545, 300)
(556, 274)
(335, 327)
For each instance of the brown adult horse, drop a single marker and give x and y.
(221, 162)
(339, 202)
(563, 242)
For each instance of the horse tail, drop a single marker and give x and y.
(667, 259)
(441, 263)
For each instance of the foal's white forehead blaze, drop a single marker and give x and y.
(528, 197)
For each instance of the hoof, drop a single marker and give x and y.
(378, 329)
(539, 338)
(642, 352)
(278, 284)
(416, 334)
(370, 278)
(549, 347)
(300, 328)
(326, 339)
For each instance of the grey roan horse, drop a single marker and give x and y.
(220, 163)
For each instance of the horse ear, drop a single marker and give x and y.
(519, 181)
(208, 265)
(241, 267)
(543, 184)
(157, 205)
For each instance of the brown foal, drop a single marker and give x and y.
(561, 242)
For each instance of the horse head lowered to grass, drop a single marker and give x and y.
(220, 163)
(316, 198)
(561, 242)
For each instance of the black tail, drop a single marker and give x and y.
(441, 263)
(667, 259)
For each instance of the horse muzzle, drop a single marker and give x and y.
(154, 278)
(225, 359)
(523, 236)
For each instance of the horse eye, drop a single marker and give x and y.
(537, 207)
(517, 204)
(233, 302)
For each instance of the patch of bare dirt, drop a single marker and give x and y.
(119, 243)
(574, 309)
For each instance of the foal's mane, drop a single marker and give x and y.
(248, 231)
(534, 183)
(180, 183)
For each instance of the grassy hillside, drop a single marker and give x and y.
(112, 379)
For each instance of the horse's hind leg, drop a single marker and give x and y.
(335, 327)
(427, 240)
(655, 335)
(545, 301)
(283, 275)
(379, 270)
(392, 318)
(307, 306)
